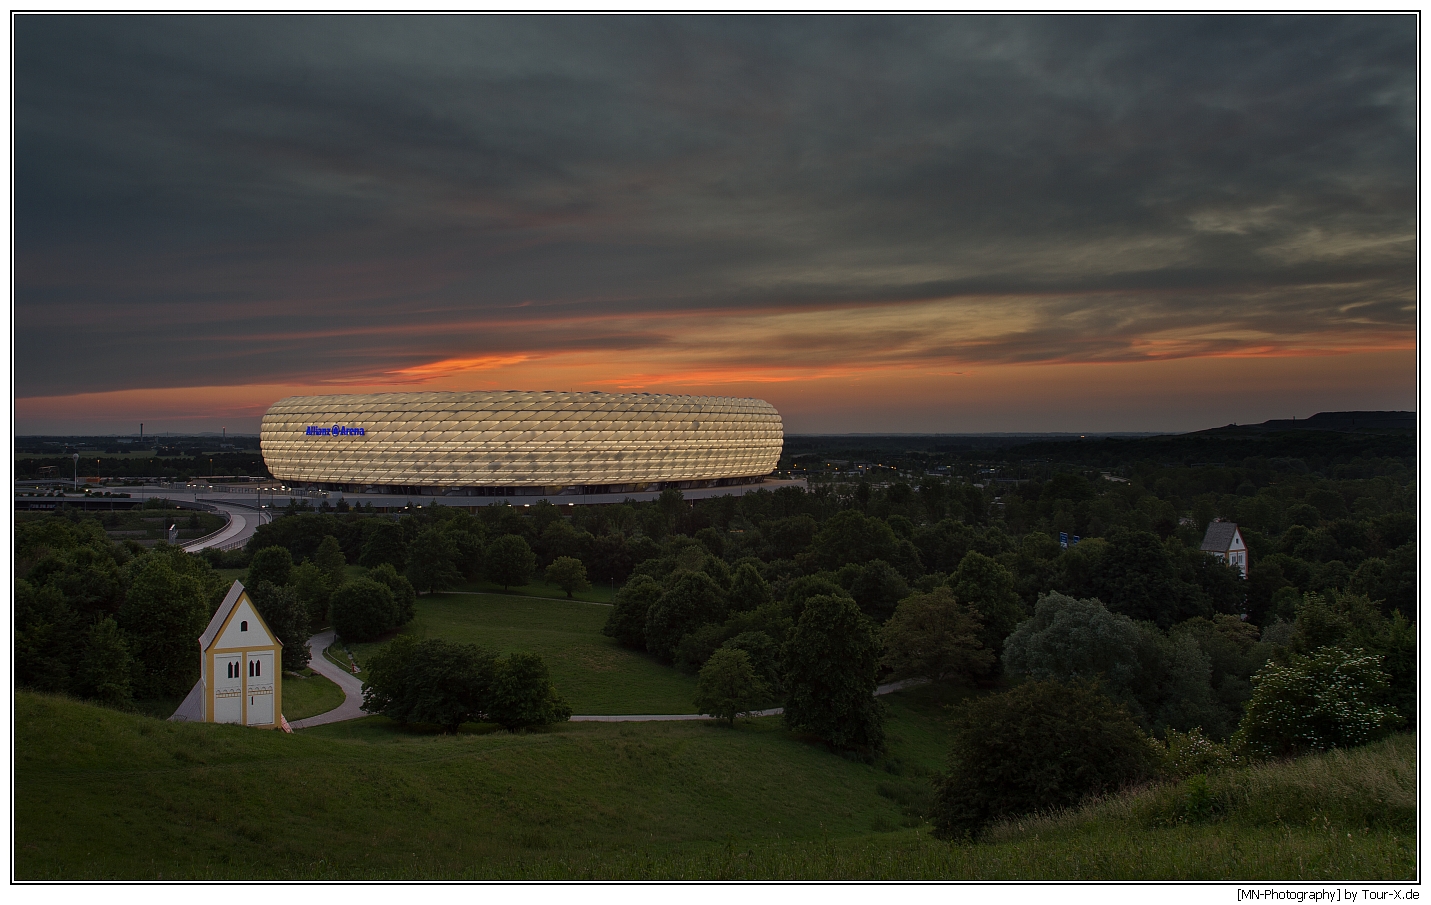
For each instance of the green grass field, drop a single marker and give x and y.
(597, 593)
(591, 671)
(309, 696)
(107, 795)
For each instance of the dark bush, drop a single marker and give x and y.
(430, 681)
(627, 622)
(523, 695)
(404, 595)
(362, 610)
(1040, 746)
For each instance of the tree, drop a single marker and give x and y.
(383, 543)
(1162, 681)
(850, 536)
(748, 590)
(878, 588)
(1069, 639)
(45, 627)
(523, 695)
(273, 564)
(163, 615)
(831, 662)
(729, 686)
(288, 618)
(468, 547)
(609, 558)
(1326, 700)
(764, 655)
(362, 610)
(933, 636)
(312, 586)
(430, 681)
(1040, 746)
(510, 561)
(567, 573)
(692, 600)
(627, 622)
(988, 587)
(1136, 576)
(103, 671)
(432, 561)
(331, 560)
(807, 586)
(404, 596)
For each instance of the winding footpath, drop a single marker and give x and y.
(352, 706)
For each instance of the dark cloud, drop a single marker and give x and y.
(271, 199)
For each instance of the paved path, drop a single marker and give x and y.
(243, 521)
(352, 706)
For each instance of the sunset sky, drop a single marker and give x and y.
(906, 224)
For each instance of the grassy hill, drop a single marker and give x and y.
(106, 795)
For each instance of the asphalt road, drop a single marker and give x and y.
(243, 521)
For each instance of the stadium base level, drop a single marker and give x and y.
(398, 502)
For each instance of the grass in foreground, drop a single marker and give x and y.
(107, 795)
(591, 671)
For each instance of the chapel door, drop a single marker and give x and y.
(260, 688)
(228, 688)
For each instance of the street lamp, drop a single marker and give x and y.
(77, 472)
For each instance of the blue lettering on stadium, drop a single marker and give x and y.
(337, 430)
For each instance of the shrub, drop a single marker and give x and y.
(523, 695)
(430, 681)
(1325, 700)
(729, 686)
(1191, 753)
(362, 610)
(1040, 746)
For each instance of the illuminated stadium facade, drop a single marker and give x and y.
(518, 443)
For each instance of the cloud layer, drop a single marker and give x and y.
(692, 203)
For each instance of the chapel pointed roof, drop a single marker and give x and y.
(1219, 537)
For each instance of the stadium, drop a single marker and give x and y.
(515, 443)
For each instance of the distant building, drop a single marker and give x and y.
(1224, 541)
